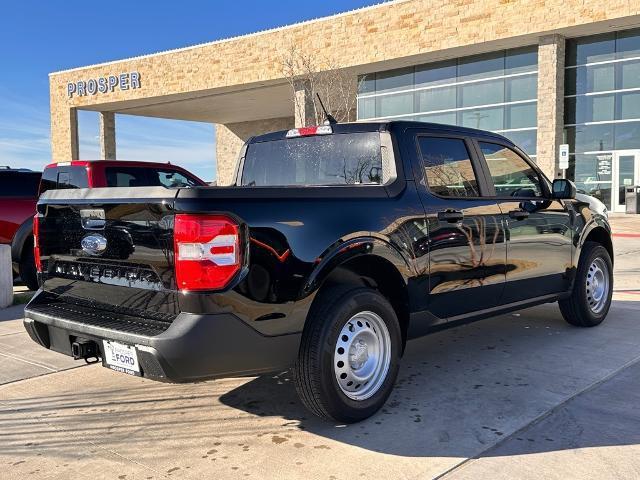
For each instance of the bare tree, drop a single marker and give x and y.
(311, 74)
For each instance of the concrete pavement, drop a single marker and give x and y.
(522, 395)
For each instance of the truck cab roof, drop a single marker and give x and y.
(391, 125)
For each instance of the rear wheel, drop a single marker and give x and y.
(590, 300)
(28, 273)
(349, 355)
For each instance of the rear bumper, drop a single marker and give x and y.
(192, 348)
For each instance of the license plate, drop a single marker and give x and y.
(121, 358)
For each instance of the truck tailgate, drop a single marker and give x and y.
(109, 248)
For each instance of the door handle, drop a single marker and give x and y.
(450, 216)
(519, 214)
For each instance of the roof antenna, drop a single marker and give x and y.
(328, 118)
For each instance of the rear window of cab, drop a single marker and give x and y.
(334, 159)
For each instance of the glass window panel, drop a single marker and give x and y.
(600, 78)
(367, 83)
(521, 88)
(590, 138)
(569, 137)
(629, 105)
(435, 74)
(448, 167)
(626, 176)
(394, 104)
(394, 80)
(445, 118)
(629, 73)
(570, 110)
(482, 118)
(521, 115)
(596, 78)
(366, 107)
(570, 81)
(436, 99)
(628, 44)
(481, 66)
(512, 175)
(521, 60)
(599, 108)
(482, 93)
(586, 172)
(627, 135)
(526, 140)
(596, 48)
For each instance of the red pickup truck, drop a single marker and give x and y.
(20, 189)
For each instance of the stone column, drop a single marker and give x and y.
(304, 109)
(107, 135)
(551, 55)
(64, 134)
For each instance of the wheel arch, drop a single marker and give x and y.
(598, 234)
(367, 262)
(22, 237)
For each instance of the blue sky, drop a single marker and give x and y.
(39, 37)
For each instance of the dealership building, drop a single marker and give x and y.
(542, 72)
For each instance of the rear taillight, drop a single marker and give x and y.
(36, 242)
(207, 251)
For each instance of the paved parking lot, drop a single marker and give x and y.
(522, 395)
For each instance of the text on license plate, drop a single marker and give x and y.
(121, 357)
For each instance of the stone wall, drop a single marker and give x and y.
(231, 137)
(384, 36)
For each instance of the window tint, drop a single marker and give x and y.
(511, 174)
(146, 177)
(448, 168)
(49, 179)
(19, 184)
(174, 179)
(57, 178)
(338, 159)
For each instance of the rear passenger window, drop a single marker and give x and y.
(512, 175)
(19, 184)
(448, 168)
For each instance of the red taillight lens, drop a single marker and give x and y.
(36, 242)
(207, 251)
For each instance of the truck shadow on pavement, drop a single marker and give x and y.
(461, 392)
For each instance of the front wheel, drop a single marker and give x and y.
(590, 300)
(349, 355)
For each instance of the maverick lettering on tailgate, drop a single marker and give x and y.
(109, 274)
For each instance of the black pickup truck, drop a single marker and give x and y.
(337, 244)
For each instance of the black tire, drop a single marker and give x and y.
(28, 273)
(314, 374)
(576, 309)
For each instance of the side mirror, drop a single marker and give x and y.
(563, 189)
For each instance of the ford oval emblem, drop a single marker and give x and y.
(94, 244)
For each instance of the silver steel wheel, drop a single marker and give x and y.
(597, 285)
(362, 355)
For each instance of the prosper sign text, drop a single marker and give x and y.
(94, 86)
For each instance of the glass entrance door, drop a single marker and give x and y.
(626, 174)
